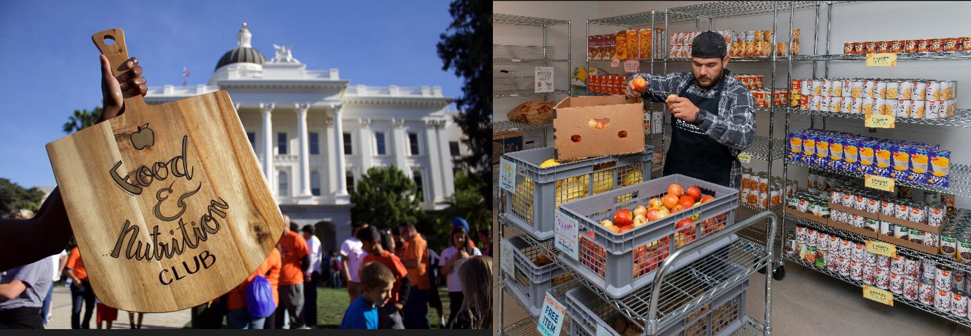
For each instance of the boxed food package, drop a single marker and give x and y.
(505, 142)
(594, 126)
(533, 112)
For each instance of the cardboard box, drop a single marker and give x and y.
(908, 244)
(623, 132)
(505, 142)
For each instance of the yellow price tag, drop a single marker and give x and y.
(879, 183)
(878, 295)
(881, 248)
(881, 60)
(880, 121)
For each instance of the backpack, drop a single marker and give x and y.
(259, 298)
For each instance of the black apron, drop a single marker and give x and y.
(695, 154)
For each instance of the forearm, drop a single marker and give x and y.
(12, 290)
(51, 223)
(405, 286)
(344, 270)
(305, 263)
(735, 130)
(410, 263)
(659, 87)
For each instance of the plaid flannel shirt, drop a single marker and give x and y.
(733, 125)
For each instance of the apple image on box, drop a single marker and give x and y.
(143, 138)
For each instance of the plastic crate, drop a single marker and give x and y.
(723, 316)
(622, 263)
(525, 260)
(540, 191)
(532, 293)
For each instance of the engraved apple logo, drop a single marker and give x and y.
(143, 138)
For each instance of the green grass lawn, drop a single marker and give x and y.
(331, 304)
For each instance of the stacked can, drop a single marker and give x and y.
(942, 287)
(903, 98)
(920, 46)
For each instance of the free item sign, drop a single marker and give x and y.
(167, 202)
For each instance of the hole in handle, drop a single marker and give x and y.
(109, 40)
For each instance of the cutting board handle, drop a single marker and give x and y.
(117, 54)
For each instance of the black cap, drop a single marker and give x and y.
(709, 45)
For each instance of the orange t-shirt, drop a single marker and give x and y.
(293, 248)
(394, 264)
(75, 263)
(270, 269)
(418, 250)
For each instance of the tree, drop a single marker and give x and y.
(467, 203)
(465, 50)
(81, 119)
(14, 197)
(385, 197)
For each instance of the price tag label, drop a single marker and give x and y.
(601, 331)
(567, 235)
(551, 317)
(879, 183)
(744, 157)
(544, 79)
(632, 66)
(615, 63)
(507, 257)
(881, 248)
(878, 295)
(881, 60)
(507, 175)
(880, 121)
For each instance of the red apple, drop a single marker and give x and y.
(686, 202)
(706, 198)
(623, 218)
(694, 192)
(652, 214)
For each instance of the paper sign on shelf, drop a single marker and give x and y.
(507, 175)
(544, 79)
(601, 331)
(881, 60)
(551, 317)
(881, 248)
(507, 257)
(632, 66)
(878, 295)
(567, 235)
(879, 183)
(614, 63)
(880, 121)
(744, 157)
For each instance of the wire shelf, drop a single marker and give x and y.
(702, 280)
(524, 327)
(504, 126)
(528, 61)
(525, 93)
(933, 56)
(751, 328)
(759, 149)
(502, 53)
(779, 59)
(719, 9)
(939, 259)
(960, 179)
(897, 298)
(961, 118)
(525, 20)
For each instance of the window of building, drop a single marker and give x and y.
(281, 139)
(416, 175)
(413, 142)
(283, 185)
(453, 148)
(381, 146)
(314, 144)
(252, 139)
(315, 183)
(348, 146)
(350, 182)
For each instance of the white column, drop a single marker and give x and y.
(447, 176)
(301, 110)
(331, 156)
(341, 168)
(434, 160)
(364, 144)
(400, 141)
(268, 144)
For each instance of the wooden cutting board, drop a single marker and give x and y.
(168, 203)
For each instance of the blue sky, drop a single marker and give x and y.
(50, 67)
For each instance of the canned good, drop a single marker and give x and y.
(964, 44)
(887, 207)
(897, 264)
(936, 45)
(911, 267)
(846, 248)
(871, 47)
(924, 46)
(942, 301)
(910, 289)
(948, 243)
(869, 87)
(859, 252)
(886, 228)
(897, 46)
(843, 266)
(869, 274)
(871, 224)
(817, 87)
(856, 271)
(883, 46)
(881, 278)
(883, 262)
(916, 236)
(933, 90)
(910, 46)
(902, 211)
(942, 277)
(893, 88)
(872, 205)
(931, 239)
(926, 292)
(859, 48)
(919, 90)
(959, 303)
(848, 48)
(896, 283)
(870, 259)
(964, 249)
(917, 214)
(959, 282)
(901, 232)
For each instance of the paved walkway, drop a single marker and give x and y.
(61, 307)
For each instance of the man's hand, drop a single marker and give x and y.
(399, 306)
(682, 108)
(111, 89)
(629, 91)
(76, 283)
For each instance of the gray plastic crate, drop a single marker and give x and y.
(724, 316)
(622, 263)
(532, 294)
(539, 191)
(524, 260)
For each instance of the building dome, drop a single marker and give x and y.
(243, 53)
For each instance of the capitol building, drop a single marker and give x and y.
(316, 134)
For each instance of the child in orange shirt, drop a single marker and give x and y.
(389, 316)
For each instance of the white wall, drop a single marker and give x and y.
(869, 21)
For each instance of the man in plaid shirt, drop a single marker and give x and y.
(714, 114)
